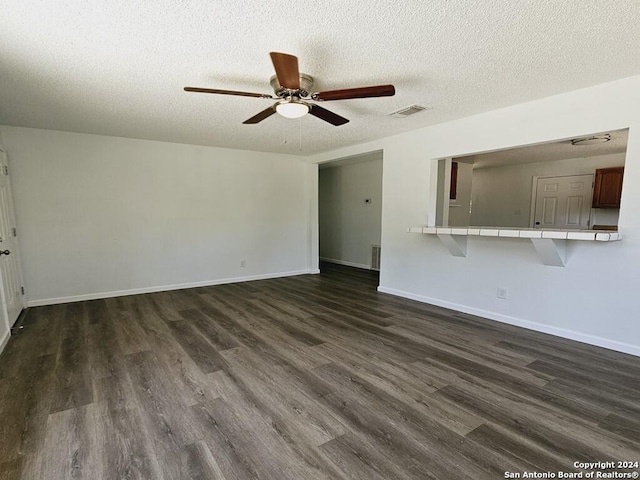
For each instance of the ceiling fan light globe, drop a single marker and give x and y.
(292, 109)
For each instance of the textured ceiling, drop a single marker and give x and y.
(548, 152)
(118, 67)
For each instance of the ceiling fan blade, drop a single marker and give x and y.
(266, 113)
(227, 92)
(361, 92)
(327, 116)
(286, 67)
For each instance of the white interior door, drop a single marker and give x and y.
(10, 273)
(563, 202)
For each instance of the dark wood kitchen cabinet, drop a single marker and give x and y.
(608, 187)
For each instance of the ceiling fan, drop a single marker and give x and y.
(292, 90)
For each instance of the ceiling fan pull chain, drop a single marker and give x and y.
(300, 132)
(284, 136)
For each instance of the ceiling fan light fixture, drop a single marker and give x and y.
(292, 109)
(593, 140)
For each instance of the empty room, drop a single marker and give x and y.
(323, 241)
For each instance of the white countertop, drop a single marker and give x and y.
(584, 235)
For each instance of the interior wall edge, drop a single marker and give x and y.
(518, 322)
(164, 288)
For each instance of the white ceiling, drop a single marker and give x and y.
(548, 152)
(118, 67)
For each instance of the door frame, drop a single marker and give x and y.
(534, 194)
(365, 157)
(4, 163)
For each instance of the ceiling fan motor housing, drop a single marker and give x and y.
(306, 84)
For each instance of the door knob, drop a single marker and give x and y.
(4, 252)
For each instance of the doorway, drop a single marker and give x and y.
(350, 213)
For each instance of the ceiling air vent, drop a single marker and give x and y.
(410, 110)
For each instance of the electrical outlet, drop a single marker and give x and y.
(502, 293)
(243, 263)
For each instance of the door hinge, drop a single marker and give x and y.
(22, 290)
(6, 170)
(14, 230)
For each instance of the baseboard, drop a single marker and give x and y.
(348, 264)
(162, 288)
(5, 340)
(518, 322)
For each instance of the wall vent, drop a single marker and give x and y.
(375, 257)
(410, 110)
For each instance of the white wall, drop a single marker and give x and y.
(348, 225)
(101, 216)
(499, 193)
(592, 299)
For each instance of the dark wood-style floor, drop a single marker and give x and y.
(305, 378)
